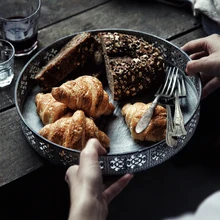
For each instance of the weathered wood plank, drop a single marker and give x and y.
(7, 93)
(17, 158)
(154, 18)
(53, 11)
(16, 152)
(180, 41)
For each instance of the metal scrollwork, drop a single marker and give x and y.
(110, 164)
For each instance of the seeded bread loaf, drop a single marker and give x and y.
(132, 64)
(72, 57)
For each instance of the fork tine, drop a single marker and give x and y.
(167, 89)
(169, 83)
(183, 86)
(172, 77)
(159, 90)
(179, 86)
(175, 75)
(166, 85)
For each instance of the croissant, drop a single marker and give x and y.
(49, 109)
(74, 131)
(156, 130)
(84, 93)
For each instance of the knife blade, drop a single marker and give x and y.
(146, 117)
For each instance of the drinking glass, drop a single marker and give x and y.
(6, 63)
(19, 24)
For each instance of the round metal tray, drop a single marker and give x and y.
(126, 155)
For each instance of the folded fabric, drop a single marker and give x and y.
(210, 8)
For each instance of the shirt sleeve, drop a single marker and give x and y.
(208, 209)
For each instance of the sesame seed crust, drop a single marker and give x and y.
(132, 64)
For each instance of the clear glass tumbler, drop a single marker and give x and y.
(19, 24)
(7, 53)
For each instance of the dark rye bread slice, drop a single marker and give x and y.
(132, 64)
(127, 76)
(71, 57)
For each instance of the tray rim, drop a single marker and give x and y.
(93, 31)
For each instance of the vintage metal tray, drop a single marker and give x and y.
(126, 155)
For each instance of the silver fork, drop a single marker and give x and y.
(170, 139)
(178, 120)
(166, 91)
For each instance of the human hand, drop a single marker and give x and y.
(205, 55)
(88, 198)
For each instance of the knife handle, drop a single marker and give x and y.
(170, 140)
(179, 128)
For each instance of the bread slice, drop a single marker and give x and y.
(132, 64)
(71, 57)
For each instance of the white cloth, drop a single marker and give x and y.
(209, 209)
(210, 8)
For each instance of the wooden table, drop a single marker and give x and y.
(171, 188)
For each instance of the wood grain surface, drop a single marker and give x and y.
(32, 188)
(61, 18)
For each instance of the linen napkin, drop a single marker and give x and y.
(210, 8)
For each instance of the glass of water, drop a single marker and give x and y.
(19, 24)
(7, 53)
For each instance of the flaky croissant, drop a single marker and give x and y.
(73, 132)
(49, 109)
(156, 130)
(84, 93)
